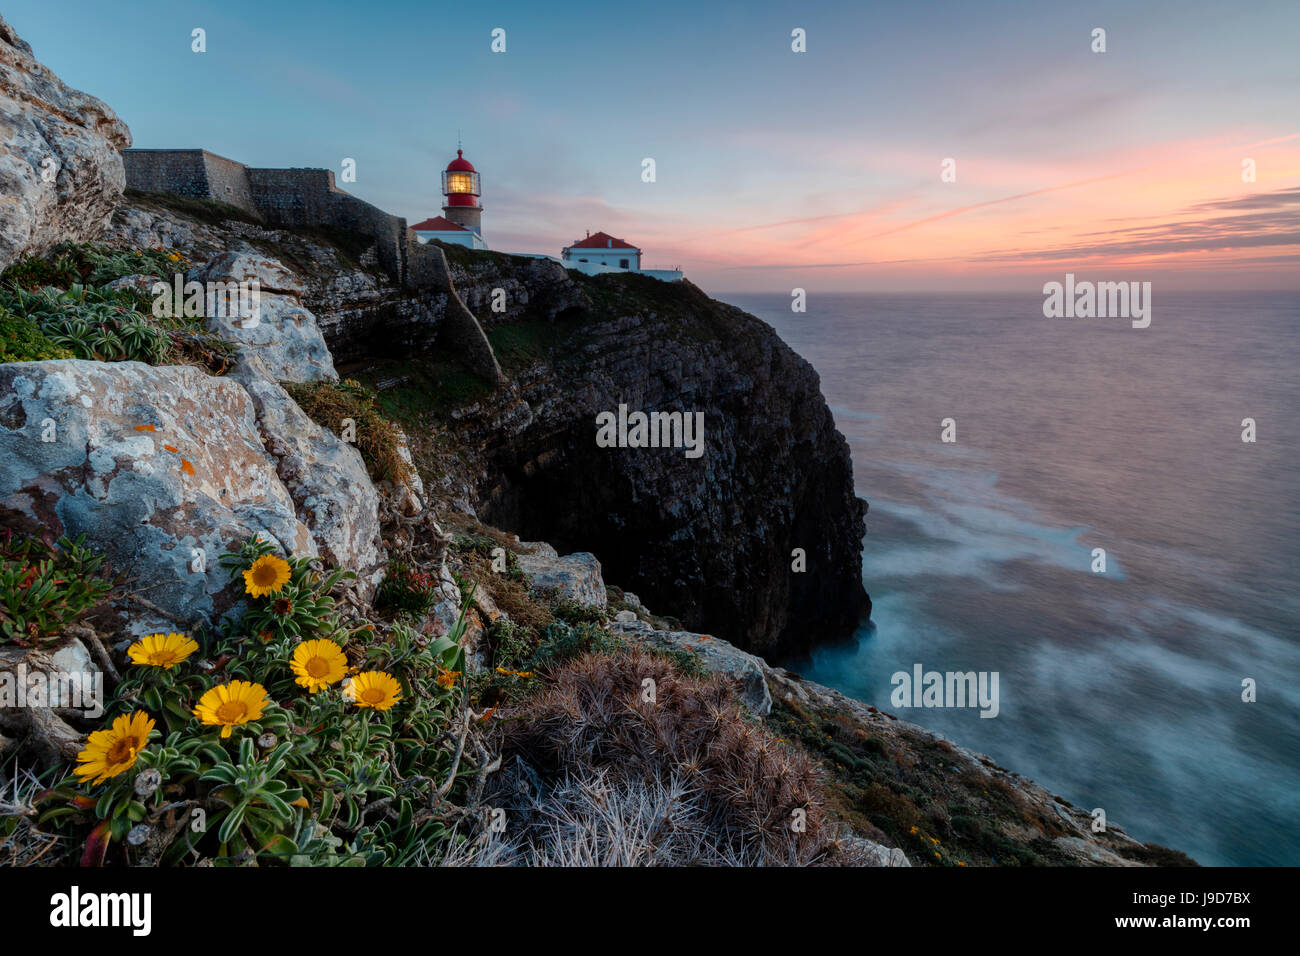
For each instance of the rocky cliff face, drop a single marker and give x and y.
(162, 467)
(60, 162)
(711, 540)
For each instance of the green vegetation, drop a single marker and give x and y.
(520, 344)
(90, 264)
(333, 404)
(293, 737)
(407, 589)
(916, 800)
(21, 340)
(57, 300)
(208, 211)
(46, 587)
(470, 258)
(679, 307)
(425, 388)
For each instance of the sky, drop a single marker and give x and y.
(773, 169)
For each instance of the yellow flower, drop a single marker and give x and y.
(113, 751)
(268, 574)
(961, 863)
(447, 679)
(375, 689)
(161, 650)
(318, 664)
(228, 705)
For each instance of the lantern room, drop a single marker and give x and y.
(460, 183)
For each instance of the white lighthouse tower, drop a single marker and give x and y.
(461, 221)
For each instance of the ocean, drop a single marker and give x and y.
(1120, 690)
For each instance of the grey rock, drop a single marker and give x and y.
(574, 576)
(60, 162)
(326, 478)
(239, 265)
(869, 853)
(716, 655)
(283, 335)
(137, 282)
(110, 473)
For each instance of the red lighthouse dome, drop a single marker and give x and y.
(460, 183)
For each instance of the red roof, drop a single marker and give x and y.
(439, 224)
(601, 240)
(460, 163)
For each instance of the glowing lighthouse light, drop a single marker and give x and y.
(460, 184)
(461, 221)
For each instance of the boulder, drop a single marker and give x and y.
(574, 576)
(242, 266)
(326, 477)
(409, 494)
(60, 156)
(140, 282)
(714, 654)
(866, 852)
(163, 469)
(284, 337)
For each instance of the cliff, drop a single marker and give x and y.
(317, 590)
(708, 540)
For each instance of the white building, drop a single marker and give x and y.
(602, 253)
(444, 230)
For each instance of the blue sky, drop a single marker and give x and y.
(773, 168)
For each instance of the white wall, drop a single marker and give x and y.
(457, 237)
(600, 268)
(610, 257)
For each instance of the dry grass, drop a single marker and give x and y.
(21, 842)
(595, 821)
(330, 404)
(602, 774)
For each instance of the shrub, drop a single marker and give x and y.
(332, 404)
(315, 770)
(592, 722)
(45, 587)
(116, 325)
(87, 263)
(21, 340)
(407, 589)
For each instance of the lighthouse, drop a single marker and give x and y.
(460, 184)
(461, 220)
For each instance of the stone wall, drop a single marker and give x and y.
(309, 197)
(195, 173)
(228, 182)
